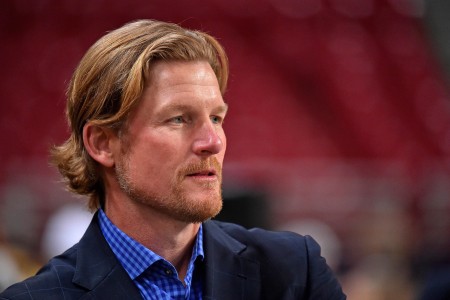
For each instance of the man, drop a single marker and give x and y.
(146, 108)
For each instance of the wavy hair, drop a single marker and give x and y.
(109, 82)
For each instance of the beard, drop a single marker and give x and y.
(177, 203)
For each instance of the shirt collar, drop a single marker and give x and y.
(135, 257)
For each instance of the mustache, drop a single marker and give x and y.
(211, 163)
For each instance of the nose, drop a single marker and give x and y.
(209, 139)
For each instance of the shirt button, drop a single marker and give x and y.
(169, 272)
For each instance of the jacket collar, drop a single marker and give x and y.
(98, 270)
(228, 273)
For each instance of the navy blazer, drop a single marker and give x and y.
(239, 264)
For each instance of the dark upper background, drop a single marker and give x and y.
(339, 113)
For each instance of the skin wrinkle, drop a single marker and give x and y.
(158, 190)
(182, 212)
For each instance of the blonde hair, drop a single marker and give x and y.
(109, 82)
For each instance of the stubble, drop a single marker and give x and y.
(177, 203)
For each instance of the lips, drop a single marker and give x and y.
(209, 172)
(208, 169)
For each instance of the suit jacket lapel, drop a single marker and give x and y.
(98, 270)
(228, 273)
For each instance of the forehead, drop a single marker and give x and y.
(172, 72)
(177, 87)
(182, 80)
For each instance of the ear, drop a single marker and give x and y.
(98, 141)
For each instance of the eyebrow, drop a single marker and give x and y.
(223, 108)
(178, 107)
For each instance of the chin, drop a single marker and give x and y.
(199, 211)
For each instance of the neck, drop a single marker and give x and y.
(171, 239)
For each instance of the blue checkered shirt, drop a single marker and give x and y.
(155, 277)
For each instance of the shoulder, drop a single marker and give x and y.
(274, 249)
(286, 259)
(272, 241)
(56, 275)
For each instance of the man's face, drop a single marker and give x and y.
(174, 144)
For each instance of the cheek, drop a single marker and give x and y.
(224, 143)
(157, 156)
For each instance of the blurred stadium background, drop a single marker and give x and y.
(339, 127)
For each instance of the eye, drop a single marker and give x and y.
(217, 119)
(177, 120)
